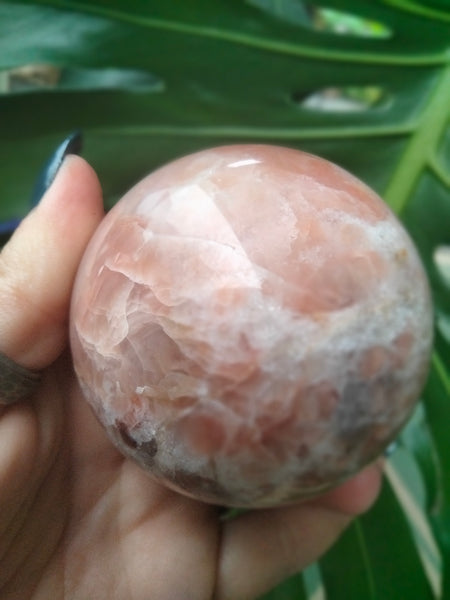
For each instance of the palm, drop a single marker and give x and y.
(88, 523)
(79, 521)
(100, 525)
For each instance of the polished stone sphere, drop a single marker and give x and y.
(251, 324)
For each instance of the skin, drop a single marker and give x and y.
(79, 521)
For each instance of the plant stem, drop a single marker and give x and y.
(420, 149)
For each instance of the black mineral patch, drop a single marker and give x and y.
(125, 435)
(147, 449)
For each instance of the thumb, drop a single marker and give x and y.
(38, 265)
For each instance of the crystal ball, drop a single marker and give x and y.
(251, 324)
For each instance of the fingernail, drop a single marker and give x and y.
(71, 145)
(7, 227)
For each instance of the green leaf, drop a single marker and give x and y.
(437, 403)
(364, 563)
(418, 439)
(148, 81)
(279, 63)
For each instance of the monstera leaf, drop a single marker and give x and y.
(363, 83)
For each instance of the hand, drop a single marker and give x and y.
(77, 520)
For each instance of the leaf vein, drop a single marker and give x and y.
(319, 52)
(421, 146)
(365, 559)
(261, 132)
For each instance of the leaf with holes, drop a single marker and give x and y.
(364, 84)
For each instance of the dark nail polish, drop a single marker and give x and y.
(71, 145)
(7, 227)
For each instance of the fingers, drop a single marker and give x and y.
(358, 494)
(261, 548)
(38, 266)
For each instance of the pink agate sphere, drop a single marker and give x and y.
(251, 324)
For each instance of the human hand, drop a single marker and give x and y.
(78, 520)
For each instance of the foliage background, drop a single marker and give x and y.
(364, 83)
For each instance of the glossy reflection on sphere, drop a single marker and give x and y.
(251, 324)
